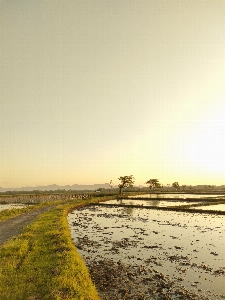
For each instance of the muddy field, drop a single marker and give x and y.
(138, 253)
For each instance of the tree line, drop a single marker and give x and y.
(128, 181)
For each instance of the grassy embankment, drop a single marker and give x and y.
(43, 264)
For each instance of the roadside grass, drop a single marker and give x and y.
(43, 264)
(10, 213)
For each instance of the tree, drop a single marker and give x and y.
(176, 185)
(212, 186)
(126, 181)
(111, 184)
(153, 183)
(183, 186)
(168, 186)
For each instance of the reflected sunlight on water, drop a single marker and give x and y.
(217, 207)
(178, 195)
(158, 203)
(187, 247)
(11, 206)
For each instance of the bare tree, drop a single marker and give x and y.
(111, 184)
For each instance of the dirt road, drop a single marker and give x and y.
(13, 226)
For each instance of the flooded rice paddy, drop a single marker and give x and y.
(139, 253)
(215, 207)
(10, 206)
(180, 196)
(158, 203)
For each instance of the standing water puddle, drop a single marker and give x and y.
(11, 206)
(180, 196)
(215, 207)
(138, 253)
(158, 203)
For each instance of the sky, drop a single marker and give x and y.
(93, 90)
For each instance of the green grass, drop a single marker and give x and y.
(10, 213)
(43, 264)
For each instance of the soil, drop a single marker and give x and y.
(146, 254)
(14, 226)
(128, 282)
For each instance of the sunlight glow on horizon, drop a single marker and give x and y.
(113, 89)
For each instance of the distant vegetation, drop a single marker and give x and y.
(126, 185)
(176, 185)
(153, 183)
(125, 182)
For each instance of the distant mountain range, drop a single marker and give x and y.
(54, 187)
(93, 187)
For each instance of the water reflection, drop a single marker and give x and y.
(128, 210)
(153, 202)
(187, 248)
(157, 203)
(216, 207)
(11, 206)
(178, 195)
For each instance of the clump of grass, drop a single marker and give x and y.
(43, 263)
(10, 213)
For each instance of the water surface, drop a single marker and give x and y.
(216, 207)
(179, 195)
(187, 248)
(11, 206)
(158, 203)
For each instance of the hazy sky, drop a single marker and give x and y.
(93, 90)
